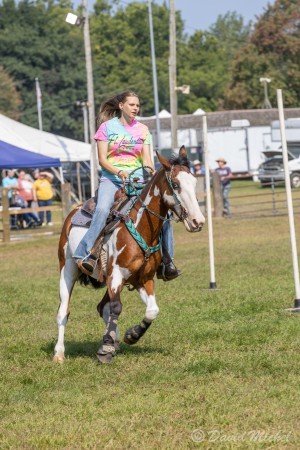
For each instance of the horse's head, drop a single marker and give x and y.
(180, 191)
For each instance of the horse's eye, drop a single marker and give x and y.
(175, 185)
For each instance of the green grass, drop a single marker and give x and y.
(225, 360)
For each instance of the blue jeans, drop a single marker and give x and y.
(167, 237)
(226, 190)
(105, 200)
(29, 216)
(48, 213)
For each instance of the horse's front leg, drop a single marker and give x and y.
(103, 309)
(108, 349)
(146, 292)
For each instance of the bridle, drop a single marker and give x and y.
(179, 210)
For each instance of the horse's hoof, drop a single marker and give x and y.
(58, 358)
(129, 339)
(105, 359)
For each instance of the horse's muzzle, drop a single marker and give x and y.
(193, 225)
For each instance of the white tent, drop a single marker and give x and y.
(47, 144)
(199, 112)
(162, 115)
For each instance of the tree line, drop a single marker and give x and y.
(222, 65)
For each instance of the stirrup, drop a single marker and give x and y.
(87, 265)
(167, 272)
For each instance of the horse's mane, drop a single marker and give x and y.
(180, 160)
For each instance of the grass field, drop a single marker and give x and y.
(218, 369)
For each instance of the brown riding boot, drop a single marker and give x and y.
(87, 265)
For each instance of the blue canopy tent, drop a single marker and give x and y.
(12, 157)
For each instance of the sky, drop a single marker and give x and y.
(200, 14)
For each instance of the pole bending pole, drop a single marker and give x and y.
(213, 283)
(91, 101)
(155, 89)
(289, 201)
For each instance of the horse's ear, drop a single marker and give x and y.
(164, 162)
(182, 152)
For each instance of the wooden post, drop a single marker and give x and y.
(217, 195)
(5, 215)
(66, 199)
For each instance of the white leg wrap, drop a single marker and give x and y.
(152, 309)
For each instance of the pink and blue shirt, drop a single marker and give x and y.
(125, 145)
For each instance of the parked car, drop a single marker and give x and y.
(272, 170)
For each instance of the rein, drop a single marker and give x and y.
(180, 215)
(129, 224)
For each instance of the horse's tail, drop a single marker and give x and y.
(86, 280)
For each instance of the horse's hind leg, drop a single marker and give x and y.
(146, 292)
(103, 309)
(68, 276)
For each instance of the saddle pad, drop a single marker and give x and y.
(82, 218)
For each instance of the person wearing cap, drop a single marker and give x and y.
(225, 174)
(197, 169)
(43, 194)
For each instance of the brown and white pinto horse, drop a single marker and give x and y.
(172, 187)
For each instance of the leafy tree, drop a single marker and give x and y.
(222, 65)
(35, 42)
(231, 32)
(274, 52)
(10, 97)
(122, 58)
(205, 62)
(201, 65)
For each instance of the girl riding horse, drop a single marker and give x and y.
(123, 146)
(129, 260)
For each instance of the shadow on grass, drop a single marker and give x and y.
(89, 349)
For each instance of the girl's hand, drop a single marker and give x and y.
(123, 175)
(151, 171)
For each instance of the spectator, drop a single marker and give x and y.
(225, 174)
(43, 194)
(197, 168)
(25, 192)
(10, 182)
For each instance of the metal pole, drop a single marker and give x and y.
(84, 106)
(91, 102)
(156, 102)
(39, 103)
(247, 148)
(267, 101)
(213, 283)
(172, 75)
(85, 121)
(289, 201)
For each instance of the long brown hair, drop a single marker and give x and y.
(110, 108)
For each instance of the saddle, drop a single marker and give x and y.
(84, 216)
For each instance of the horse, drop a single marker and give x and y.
(128, 262)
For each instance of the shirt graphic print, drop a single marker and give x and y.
(125, 146)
